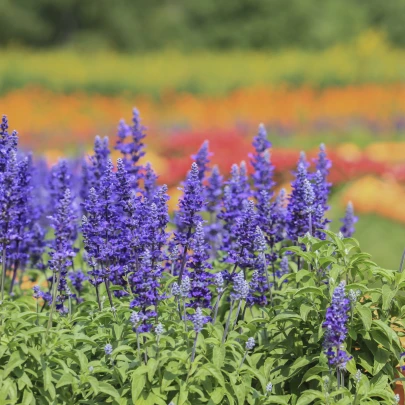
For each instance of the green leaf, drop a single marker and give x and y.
(217, 395)
(280, 399)
(215, 373)
(240, 392)
(152, 367)
(388, 295)
(310, 290)
(27, 397)
(313, 371)
(285, 316)
(365, 315)
(66, 379)
(309, 396)
(93, 384)
(218, 356)
(108, 389)
(137, 385)
(16, 359)
(301, 274)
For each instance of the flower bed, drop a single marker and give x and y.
(243, 296)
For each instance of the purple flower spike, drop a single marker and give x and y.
(300, 205)
(263, 169)
(202, 159)
(200, 277)
(337, 316)
(349, 220)
(130, 144)
(240, 288)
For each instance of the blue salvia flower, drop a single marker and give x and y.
(323, 165)
(219, 283)
(190, 204)
(300, 205)
(250, 344)
(284, 267)
(93, 234)
(99, 161)
(123, 189)
(36, 291)
(60, 178)
(133, 150)
(185, 287)
(242, 251)
(198, 266)
(272, 220)
(263, 169)
(213, 194)
(258, 287)
(321, 198)
(269, 387)
(202, 159)
(244, 184)
(159, 329)
(37, 246)
(77, 278)
(176, 289)
(108, 349)
(145, 285)
(198, 320)
(349, 220)
(240, 288)
(337, 316)
(62, 251)
(303, 160)
(236, 192)
(149, 182)
(8, 143)
(25, 216)
(214, 191)
(187, 217)
(260, 244)
(8, 199)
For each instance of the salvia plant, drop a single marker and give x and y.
(243, 295)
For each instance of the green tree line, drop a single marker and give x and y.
(139, 25)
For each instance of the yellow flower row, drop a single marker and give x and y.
(368, 59)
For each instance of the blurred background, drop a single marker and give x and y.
(312, 71)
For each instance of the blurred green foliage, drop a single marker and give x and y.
(139, 25)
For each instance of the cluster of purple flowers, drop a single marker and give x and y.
(335, 327)
(240, 221)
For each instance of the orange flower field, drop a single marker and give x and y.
(178, 123)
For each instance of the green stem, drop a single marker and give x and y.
(55, 286)
(194, 348)
(227, 322)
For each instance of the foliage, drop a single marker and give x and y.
(70, 366)
(241, 304)
(139, 25)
